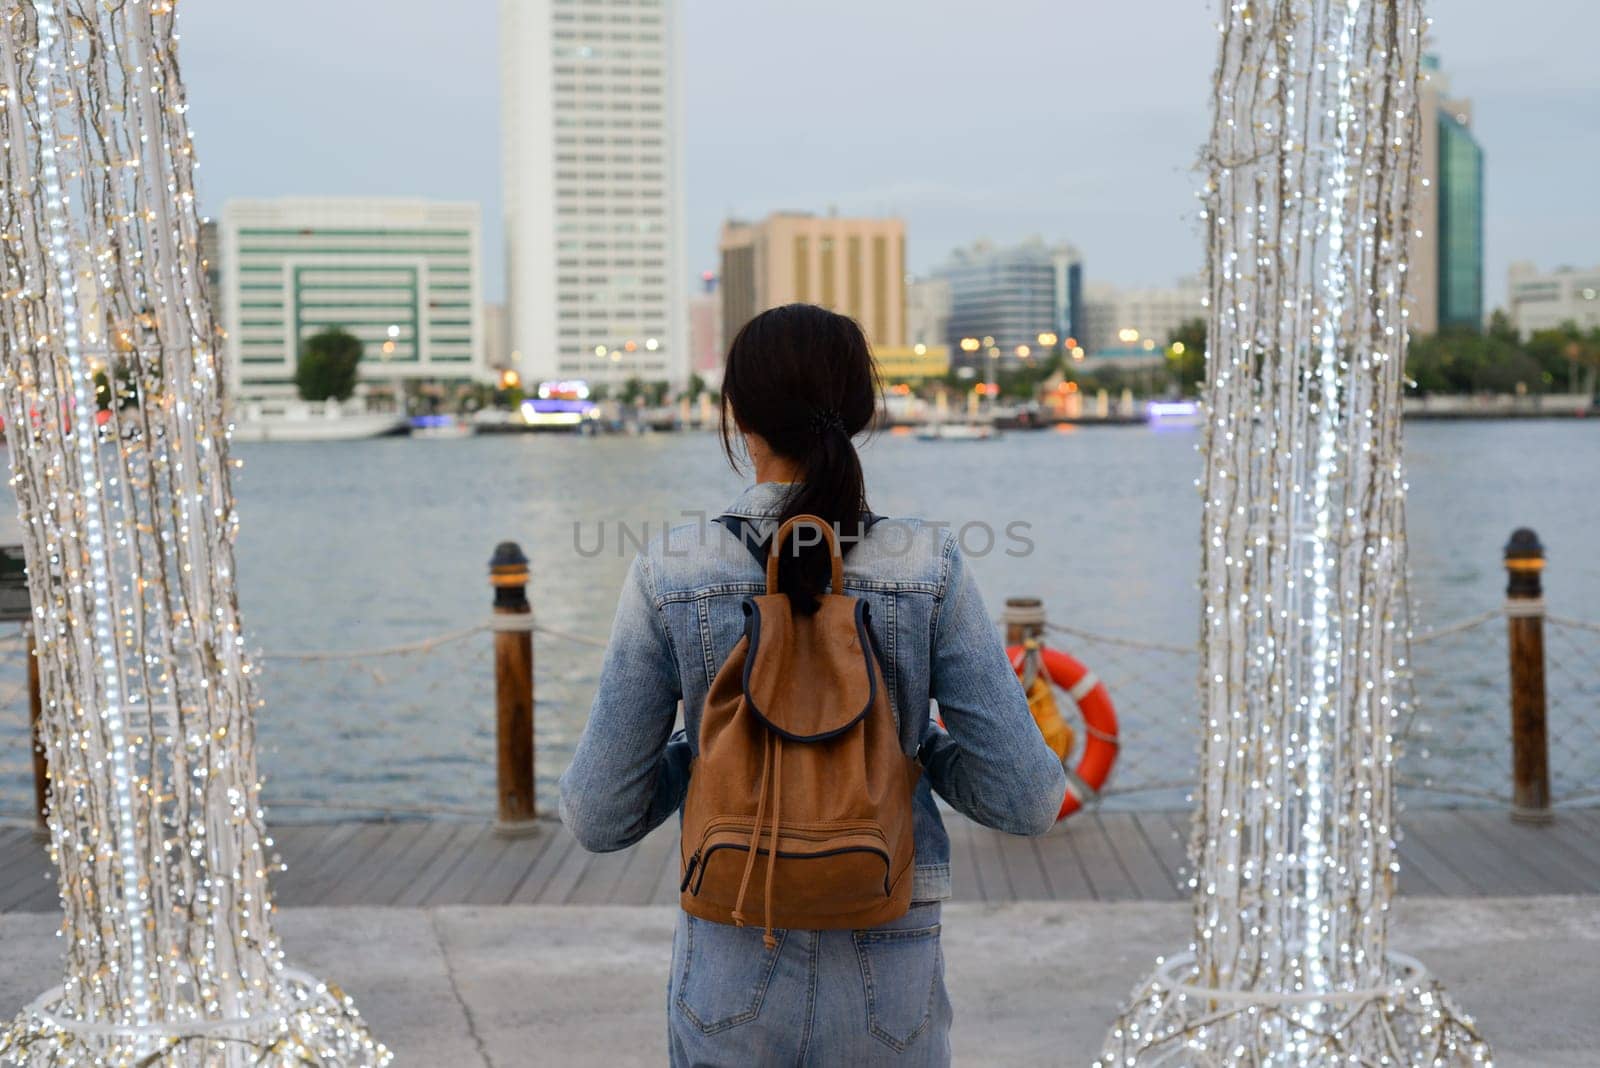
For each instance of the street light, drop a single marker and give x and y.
(1047, 339)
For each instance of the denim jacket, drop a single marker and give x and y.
(678, 619)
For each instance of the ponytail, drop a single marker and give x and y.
(802, 379)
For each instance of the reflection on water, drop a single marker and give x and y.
(360, 545)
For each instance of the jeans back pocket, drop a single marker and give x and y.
(725, 974)
(900, 970)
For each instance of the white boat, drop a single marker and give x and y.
(298, 420)
(956, 432)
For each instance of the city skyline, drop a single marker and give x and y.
(873, 113)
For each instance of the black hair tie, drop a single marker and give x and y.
(825, 421)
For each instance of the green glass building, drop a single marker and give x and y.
(1460, 223)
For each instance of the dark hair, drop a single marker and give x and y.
(802, 378)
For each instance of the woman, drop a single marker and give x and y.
(798, 387)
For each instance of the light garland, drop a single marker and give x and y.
(1309, 201)
(113, 415)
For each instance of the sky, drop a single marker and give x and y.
(1074, 120)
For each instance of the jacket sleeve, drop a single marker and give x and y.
(990, 762)
(629, 772)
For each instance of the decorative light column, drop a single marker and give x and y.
(1309, 200)
(110, 381)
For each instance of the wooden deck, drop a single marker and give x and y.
(1104, 857)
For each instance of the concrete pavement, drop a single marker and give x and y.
(1033, 984)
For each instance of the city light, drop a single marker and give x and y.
(1024, 352)
(599, 350)
(1077, 352)
(1128, 334)
(920, 349)
(969, 344)
(509, 379)
(652, 344)
(1178, 348)
(1047, 339)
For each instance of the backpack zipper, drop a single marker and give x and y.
(790, 854)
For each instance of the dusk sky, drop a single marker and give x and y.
(1076, 121)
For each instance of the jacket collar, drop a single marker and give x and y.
(764, 500)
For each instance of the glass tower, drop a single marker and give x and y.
(1460, 224)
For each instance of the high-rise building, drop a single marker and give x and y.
(591, 149)
(1012, 295)
(1445, 266)
(496, 343)
(852, 266)
(706, 345)
(402, 275)
(1548, 300)
(1127, 321)
(927, 311)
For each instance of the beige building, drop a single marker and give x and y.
(853, 266)
(1548, 300)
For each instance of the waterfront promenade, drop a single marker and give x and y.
(1033, 984)
(468, 949)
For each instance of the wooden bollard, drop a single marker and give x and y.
(1024, 619)
(41, 770)
(513, 690)
(1530, 747)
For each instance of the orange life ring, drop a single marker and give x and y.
(1099, 717)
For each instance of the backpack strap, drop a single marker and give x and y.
(747, 533)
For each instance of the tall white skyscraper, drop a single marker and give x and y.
(593, 173)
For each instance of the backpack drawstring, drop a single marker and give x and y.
(771, 766)
(755, 833)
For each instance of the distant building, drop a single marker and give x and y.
(706, 345)
(592, 135)
(928, 311)
(211, 256)
(1445, 265)
(911, 363)
(496, 339)
(1128, 321)
(402, 275)
(1548, 300)
(852, 266)
(1011, 296)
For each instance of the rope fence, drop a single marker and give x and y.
(409, 729)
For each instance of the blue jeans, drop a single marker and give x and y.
(859, 998)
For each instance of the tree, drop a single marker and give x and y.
(1569, 356)
(1186, 355)
(632, 390)
(656, 393)
(328, 365)
(692, 391)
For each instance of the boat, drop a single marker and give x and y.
(956, 432)
(442, 427)
(1163, 414)
(299, 420)
(940, 429)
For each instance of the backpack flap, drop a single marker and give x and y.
(808, 678)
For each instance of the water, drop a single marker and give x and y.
(349, 546)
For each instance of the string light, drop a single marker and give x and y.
(1313, 150)
(110, 382)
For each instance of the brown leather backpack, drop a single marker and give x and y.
(800, 772)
